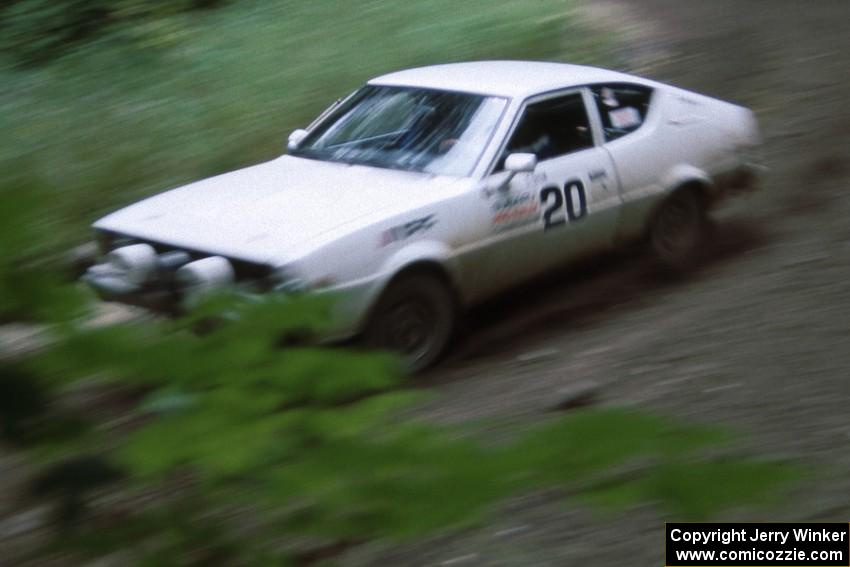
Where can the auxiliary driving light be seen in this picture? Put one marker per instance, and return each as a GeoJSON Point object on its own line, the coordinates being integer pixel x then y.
{"type": "Point", "coordinates": [136, 263]}
{"type": "Point", "coordinates": [204, 275]}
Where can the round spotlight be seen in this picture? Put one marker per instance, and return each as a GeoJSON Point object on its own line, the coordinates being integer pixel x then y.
{"type": "Point", "coordinates": [205, 274]}
{"type": "Point", "coordinates": [136, 263]}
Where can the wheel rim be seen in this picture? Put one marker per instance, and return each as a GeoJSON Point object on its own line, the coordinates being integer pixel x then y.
{"type": "Point", "coordinates": [675, 227]}
{"type": "Point", "coordinates": [410, 328]}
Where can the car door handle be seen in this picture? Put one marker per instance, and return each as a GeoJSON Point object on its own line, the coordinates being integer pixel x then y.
{"type": "Point", "coordinates": [597, 174]}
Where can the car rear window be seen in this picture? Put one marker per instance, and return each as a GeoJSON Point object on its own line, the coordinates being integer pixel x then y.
{"type": "Point", "coordinates": [622, 107]}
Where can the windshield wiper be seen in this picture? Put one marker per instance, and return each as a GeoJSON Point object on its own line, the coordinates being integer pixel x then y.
{"type": "Point", "coordinates": [351, 160]}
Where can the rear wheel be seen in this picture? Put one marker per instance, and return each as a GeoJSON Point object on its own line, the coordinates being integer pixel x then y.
{"type": "Point", "coordinates": [678, 231]}
{"type": "Point", "coordinates": [415, 318]}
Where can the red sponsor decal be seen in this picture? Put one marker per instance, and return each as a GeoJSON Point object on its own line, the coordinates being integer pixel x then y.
{"type": "Point", "coordinates": [517, 213]}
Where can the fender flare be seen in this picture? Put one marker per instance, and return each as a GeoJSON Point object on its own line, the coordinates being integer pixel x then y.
{"type": "Point", "coordinates": [685, 174]}
{"type": "Point", "coordinates": [677, 178]}
{"type": "Point", "coordinates": [428, 255]}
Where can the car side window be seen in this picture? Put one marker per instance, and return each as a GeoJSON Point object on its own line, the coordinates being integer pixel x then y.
{"type": "Point", "coordinates": [551, 128]}
{"type": "Point", "coordinates": [622, 108]}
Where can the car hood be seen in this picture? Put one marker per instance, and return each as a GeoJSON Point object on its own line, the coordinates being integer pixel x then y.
{"type": "Point", "coordinates": [264, 212]}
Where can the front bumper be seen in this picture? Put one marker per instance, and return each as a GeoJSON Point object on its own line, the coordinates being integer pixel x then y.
{"type": "Point", "coordinates": [162, 278]}
{"type": "Point", "coordinates": [163, 293]}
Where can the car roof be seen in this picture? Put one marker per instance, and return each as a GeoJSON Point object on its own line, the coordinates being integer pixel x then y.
{"type": "Point", "coordinates": [502, 78]}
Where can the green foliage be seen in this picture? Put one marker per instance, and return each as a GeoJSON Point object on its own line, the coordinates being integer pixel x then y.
{"type": "Point", "coordinates": [730, 483]}
{"type": "Point", "coordinates": [617, 435]}
{"type": "Point", "coordinates": [693, 489]}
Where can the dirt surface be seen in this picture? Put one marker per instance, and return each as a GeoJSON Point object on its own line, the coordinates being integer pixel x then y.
{"type": "Point", "coordinates": [758, 339]}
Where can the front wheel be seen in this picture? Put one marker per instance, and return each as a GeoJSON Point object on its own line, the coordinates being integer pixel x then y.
{"type": "Point", "coordinates": [415, 317]}
{"type": "Point", "coordinates": [678, 230]}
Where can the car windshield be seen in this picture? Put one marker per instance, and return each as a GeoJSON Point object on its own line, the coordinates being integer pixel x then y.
{"type": "Point", "coordinates": [413, 129]}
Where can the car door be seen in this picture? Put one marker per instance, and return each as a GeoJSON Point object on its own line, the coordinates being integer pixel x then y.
{"type": "Point", "coordinates": [577, 183]}
{"type": "Point", "coordinates": [566, 207]}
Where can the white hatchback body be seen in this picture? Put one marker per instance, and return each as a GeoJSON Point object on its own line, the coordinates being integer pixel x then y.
{"type": "Point", "coordinates": [350, 228]}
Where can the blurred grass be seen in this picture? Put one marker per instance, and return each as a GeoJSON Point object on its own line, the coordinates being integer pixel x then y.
{"type": "Point", "coordinates": [180, 98]}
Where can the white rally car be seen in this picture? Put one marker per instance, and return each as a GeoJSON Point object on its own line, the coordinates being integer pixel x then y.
{"type": "Point", "coordinates": [429, 189]}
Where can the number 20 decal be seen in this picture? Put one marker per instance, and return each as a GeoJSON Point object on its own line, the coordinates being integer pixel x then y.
{"type": "Point", "coordinates": [572, 195]}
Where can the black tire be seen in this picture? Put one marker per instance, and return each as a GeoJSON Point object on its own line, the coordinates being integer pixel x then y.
{"type": "Point", "coordinates": [678, 231]}
{"type": "Point", "coordinates": [415, 317]}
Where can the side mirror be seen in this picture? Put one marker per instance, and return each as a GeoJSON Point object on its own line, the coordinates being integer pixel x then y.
{"type": "Point", "coordinates": [514, 163]}
{"type": "Point", "coordinates": [295, 138]}
{"type": "Point", "coordinates": [518, 163]}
